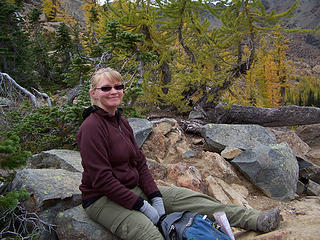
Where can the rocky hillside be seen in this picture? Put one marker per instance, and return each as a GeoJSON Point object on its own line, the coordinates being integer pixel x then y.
{"type": "Point", "coordinates": [303, 47]}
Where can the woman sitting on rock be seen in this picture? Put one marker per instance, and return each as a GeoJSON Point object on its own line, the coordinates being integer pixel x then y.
{"type": "Point", "coordinates": [118, 190]}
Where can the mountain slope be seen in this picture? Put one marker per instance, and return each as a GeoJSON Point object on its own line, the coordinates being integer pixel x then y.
{"type": "Point", "coordinates": [304, 47]}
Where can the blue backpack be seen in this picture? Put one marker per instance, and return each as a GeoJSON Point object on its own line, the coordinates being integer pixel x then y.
{"type": "Point", "coordinates": [187, 225]}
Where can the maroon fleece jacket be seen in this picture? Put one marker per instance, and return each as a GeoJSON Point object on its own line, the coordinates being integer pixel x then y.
{"type": "Point", "coordinates": [112, 162]}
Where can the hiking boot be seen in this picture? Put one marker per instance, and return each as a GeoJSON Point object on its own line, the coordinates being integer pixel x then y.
{"type": "Point", "coordinates": [268, 220]}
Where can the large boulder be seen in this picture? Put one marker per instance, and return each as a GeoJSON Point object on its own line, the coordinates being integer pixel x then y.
{"type": "Point", "coordinates": [274, 169]}
{"type": "Point", "coordinates": [219, 136]}
{"type": "Point", "coordinates": [299, 147]}
{"type": "Point", "coordinates": [57, 158]}
{"type": "Point", "coordinates": [51, 191]}
{"type": "Point", "coordinates": [47, 186]}
{"type": "Point", "coordinates": [225, 193]}
{"type": "Point", "coordinates": [309, 175]}
{"type": "Point", "coordinates": [308, 170]}
{"type": "Point", "coordinates": [218, 167]}
{"type": "Point", "coordinates": [182, 175]}
{"type": "Point", "coordinates": [141, 129]}
{"type": "Point", "coordinates": [313, 188]}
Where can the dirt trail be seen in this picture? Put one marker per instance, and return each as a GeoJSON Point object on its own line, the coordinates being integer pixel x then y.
{"type": "Point", "coordinates": [301, 219]}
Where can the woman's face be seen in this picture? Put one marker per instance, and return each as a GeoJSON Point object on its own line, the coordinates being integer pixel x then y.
{"type": "Point", "coordinates": [107, 100]}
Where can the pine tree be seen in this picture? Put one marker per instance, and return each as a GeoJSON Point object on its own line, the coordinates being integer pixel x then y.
{"type": "Point", "coordinates": [11, 154]}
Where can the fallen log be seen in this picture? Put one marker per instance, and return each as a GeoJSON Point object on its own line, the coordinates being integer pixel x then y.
{"type": "Point", "coordinates": [267, 117]}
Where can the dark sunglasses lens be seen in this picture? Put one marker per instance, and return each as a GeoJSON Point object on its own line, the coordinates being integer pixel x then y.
{"type": "Point", "coordinates": [119, 87]}
{"type": "Point", "coordinates": [106, 89]}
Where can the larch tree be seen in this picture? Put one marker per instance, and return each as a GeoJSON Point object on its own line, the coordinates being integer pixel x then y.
{"type": "Point", "coordinates": [53, 9]}
{"type": "Point", "coordinates": [268, 78]}
{"type": "Point", "coordinates": [143, 17]}
{"type": "Point", "coordinates": [196, 63]}
{"type": "Point", "coordinates": [243, 24]}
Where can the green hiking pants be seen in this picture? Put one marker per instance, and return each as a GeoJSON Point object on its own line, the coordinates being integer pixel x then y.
{"type": "Point", "coordinates": [131, 224]}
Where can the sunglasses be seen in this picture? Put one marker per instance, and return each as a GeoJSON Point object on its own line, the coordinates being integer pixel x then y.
{"type": "Point", "coordinates": [108, 88]}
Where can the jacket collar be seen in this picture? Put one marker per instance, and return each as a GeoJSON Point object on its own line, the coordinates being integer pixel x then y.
{"type": "Point", "coordinates": [94, 108]}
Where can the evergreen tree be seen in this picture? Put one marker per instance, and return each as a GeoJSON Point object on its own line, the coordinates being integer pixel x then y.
{"type": "Point", "coordinates": [42, 44]}
{"type": "Point", "coordinates": [15, 58]}
{"type": "Point", "coordinates": [64, 52]}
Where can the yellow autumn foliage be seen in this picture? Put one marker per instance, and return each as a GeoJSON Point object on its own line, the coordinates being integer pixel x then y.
{"type": "Point", "coordinates": [266, 82]}
{"type": "Point", "coordinates": [53, 11]}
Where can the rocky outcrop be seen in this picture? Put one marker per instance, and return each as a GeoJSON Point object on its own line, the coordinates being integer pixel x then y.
{"type": "Point", "coordinates": [53, 177]}
{"type": "Point", "coordinates": [299, 147]}
{"type": "Point", "coordinates": [303, 46]}
{"type": "Point", "coordinates": [310, 134]}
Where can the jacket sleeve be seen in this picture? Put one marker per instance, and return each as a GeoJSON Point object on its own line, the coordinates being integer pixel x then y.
{"type": "Point", "coordinates": [146, 181]}
{"type": "Point", "coordinates": [94, 154]}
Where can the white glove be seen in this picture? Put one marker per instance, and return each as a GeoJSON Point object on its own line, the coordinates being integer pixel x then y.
{"type": "Point", "coordinates": [150, 212]}
{"type": "Point", "coordinates": [157, 203]}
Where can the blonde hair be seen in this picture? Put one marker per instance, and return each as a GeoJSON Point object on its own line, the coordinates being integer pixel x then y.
{"type": "Point", "coordinates": [112, 75]}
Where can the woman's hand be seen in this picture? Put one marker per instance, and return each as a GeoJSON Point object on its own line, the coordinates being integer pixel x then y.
{"type": "Point", "coordinates": [157, 203]}
{"type": "Point", "coordinates": [150, 212]}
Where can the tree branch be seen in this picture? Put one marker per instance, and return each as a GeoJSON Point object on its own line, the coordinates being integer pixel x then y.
{"type": "Point", "coordinates": [43, 95]}
{"type": "Point", "coordinates": [22, 89]}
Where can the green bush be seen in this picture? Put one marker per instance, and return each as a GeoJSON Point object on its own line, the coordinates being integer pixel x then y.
{"type": "Point", "coordinates": [44, 128]}
{"type": "Point", "coordinates": [11, 153]}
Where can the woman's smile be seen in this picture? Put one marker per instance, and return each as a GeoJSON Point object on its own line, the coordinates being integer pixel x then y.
{"type": "Point", "coordinates": [108, 95]}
